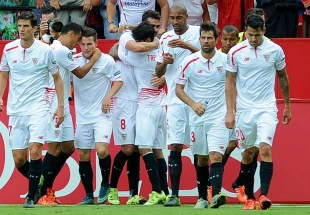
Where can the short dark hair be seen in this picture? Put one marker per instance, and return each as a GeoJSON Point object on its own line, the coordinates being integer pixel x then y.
{"type": "Point", "coordinates": [230, 28]}
{"type": "Point", "coordinates": [255, 10]}
{"type": "Point", "coordinates": [72, 26]}
{"type": "Point", "coordinates": [48, 10]}
{"type": "Point", "coordinates": [255, 21]}
{"type": "Point", "coordinates": [143, 31]}
{"type": "Point", "coordinates": [90, 32]}
{"type": "Point", "coordinates": [28, 15]}
{"type": "Point", "coordinates": [208, 26]}
{"type": "Point", "coordinates": [150, 14]}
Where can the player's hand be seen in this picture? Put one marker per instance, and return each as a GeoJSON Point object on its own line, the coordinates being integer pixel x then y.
{"type": "Point", "coordinates": [155, 81]}
{"type": "Point", "coordinates": [177, 43]}
{"type": "Point", "coordinates": [230, 120]}
{"type": "Point", "coordinates": [1, 105]}
{"type": "Point", "coordinates": [168, 58]}
{"type": "Point", "coordinates": [106, 104]}
{"type": "Point", "coordinates": [59, 116]}
{"type": "Point", "coordinates": [123, 28]}
{"type": "Point", "coordinates": [112, 28]}
{"type": "Point", "coordinates": [87, 6]}
{"type": "Point", "coordinates": [40, 3]}
{"type": "Point", "coordinates": [198, 108]}
{"type": "Point", "coordinates": [161, 31]}
{"type": "Point", "coordinates": [287, 115]}
{"type": "Point", "coordinates": [55, 4]}
{"type": "Point", "coordinates": [43, 27]}
{"type": "Point", "coordinates": [156, 41]}
{"type": "Point", "coordinates": [97, 54]}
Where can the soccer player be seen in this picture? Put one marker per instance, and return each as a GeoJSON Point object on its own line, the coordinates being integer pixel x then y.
{"type": "Point", "coordinates": [251, 70]}
{"type": "Point", "coordinates": [60, 139]}
{"type": "Point", "coordinates": [204, 75]}
{"type": "Point", "coordinates": [150, 116]}
{"type": "Point", "coordinates": [27, 62]}
{"type": "Point", "coordinates": [229, 38]}
{"type": "Point", "coordinates": [175, 45]}
{"type": "Point", "coordinates": [124, 116]}
{"type": "Point", "coordinates": [93, 107]}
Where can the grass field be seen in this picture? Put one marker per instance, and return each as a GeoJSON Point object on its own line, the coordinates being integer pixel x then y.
{"type": "Point", "coordinates": [150, 210]}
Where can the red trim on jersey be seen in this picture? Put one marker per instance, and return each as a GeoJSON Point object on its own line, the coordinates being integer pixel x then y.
{"type": "Point", "coordinates": [232, 55]}
{"type": "Point", "coordinates": [185, 67]}
{"type": "Point", "coordinates": [122, 6]}
{"type": "Point", "coordinates": [170, 35]}
{"type": "Point", "coordinates": [77, 56]}
{"type": "Point", "coordinates": [209, 65]}
{"type": "Point", "coordinates": [11, 48]}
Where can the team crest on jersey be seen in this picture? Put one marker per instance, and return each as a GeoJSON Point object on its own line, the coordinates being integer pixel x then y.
{"type": "Point", "coordinates": [70, 56]}
{"type": "Point", "coordinates": [35, 60]}
{"type": "Point", "coordinates": [95, 70]}
{"type": "Point", "coordinates": [57, 132]}
{"type": "Point", "coordinates": [124, 136]}
{"type": "Point", "coordinates": [267, 56]}
{"type": "Point", "coordinates": [220, 69]}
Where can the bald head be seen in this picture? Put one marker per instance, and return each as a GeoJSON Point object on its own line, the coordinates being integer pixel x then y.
{"type": "Point", "coordinates": [179, 7]}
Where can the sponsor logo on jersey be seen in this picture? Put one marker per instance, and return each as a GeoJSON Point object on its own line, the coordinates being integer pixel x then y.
{"type": "Point", "coordinates": [199, 71]}
{"type": "Point", "coordinates": [35, 60]}
{"type": "Point", "coordinates": [117, 73]}
{"type": "Point", "coordinates": [57, 132]}
{"type": "Point", "coordinates": [246, 59]}
{"type": "Point", "coordinates": [95, 70]}
{"type": "Point", "coordinates": [124, 136]}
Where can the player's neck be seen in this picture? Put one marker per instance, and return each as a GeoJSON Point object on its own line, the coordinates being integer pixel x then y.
{"type": "Point", "coordinates": [183, 31]}
{"type": "Point", "coordinates": [208, 55]}
{"type": "Point", "coordinates": [27, 43]}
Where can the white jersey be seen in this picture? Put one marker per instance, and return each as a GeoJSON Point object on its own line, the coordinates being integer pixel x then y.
{"type": "Point", "coordinates": [144, 69]}
{"type": "Point", "coordinates": [129, 89]}
{"type": "Point", "coordinates": [205, 80]}
{"type": "Point", "coordinates": [91, 90]}
{"type": "Point", "coordinates": [29, 75]}
{"type": "Point", "coordinates": [131, 11]}
{"type": "Point", "coordinates": [66, 64]}
{"type": "Point", "coordinates": [194, 10]}
{"type": "Point", "coordinates": [192, 36]}
{"type": "Point", "coordinates": [256, 69]}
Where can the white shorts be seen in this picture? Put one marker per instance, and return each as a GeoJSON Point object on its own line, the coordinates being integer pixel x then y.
{"type": "Point", "coordinates": [209, 138]}
{"type": "Point", "coordinates": [232, 135]}
{"type": "Point", "coordinates": [65, 132]}
{"type": "Point", "coordinates": [27, 129]}
{"type": "Point", "coordinates": [254, 127]}
{"type": "Point", "coordinates": [124, 121]}
{"type": "Point", "coordinates": [87, 135]}
{"type": "Point", "coordinates": [151, 127]}
{"type": "Point", "coordinates": [177, 124]}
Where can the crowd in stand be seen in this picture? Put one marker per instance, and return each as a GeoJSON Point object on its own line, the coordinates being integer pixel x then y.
{"type": "Point", "coordinates": [283, 17]}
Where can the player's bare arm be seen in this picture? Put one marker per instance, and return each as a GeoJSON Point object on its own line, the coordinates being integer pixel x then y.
{"type": "Point", "coordinates": [107, 100]}
{"type": "Point", "coordinates": [231, 93]}
{"type": "Point", "coordinates": [211, 2]}
{"type": "Point", "coordinates": [80, 72]}
{"type": "Point", "coordinates": [285, 87]}
{"type": "Point", "coordinates": [164, 15]}
{"type": "Point", "coordinates": [59, 87]}
{"type": "Point", "coordinates": [178, 43]}
{"type": "Point", "coordinates": [155, 81]}
{"type": "Point", "coordinates": [111, 9]}
{"type": "Point", "coordinates": [3, 81]}
{"type": "Point", "coordinates": [142, 46]}
{"type": "Point", "coordinates": [114, 51]}
{"type": "Point", "coordinates": [199, 108]}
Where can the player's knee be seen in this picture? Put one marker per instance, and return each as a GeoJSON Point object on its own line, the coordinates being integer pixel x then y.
{"type": "Point", "coordinates": [215, 157]}
{"type": "Point", "coordinates": [102, 152]}
{"type": "Point", "coordinates": [158, 153]}
{"type": "Point", "coordinates": [68, 147]}
{"type": "Point", "coordinates": [19, 158]}
{"type": "Point", "coordinates": [265, 151]}
{"type": "Point", "coordinates": [202, 160]}
{"type": "Point", "coordinates": [84, 154]}
{"type": "Point", "coordinates": [35, 151]}
{"type": "Point", "coordinates": [247, 155]}
{"type": "Point", "coordinates": [54, 149]}
{"type": "Point", "coordinates": [144, 149]}
{"type": "Point", "coordinates": [176, 147]}
{"type": "Point", "coordinates": [128, 149]}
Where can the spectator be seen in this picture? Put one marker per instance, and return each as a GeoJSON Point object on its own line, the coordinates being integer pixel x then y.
{"type": "Point", "coordinates": [213, 12]}
{"type": "Point", "coordinates": [103, 12]}
{"type": "Point", "coordinates": [197, 11]}
{"type": "Point", "coordinates": [46, 13]}
{"type": "Point", "coordinates": [131, 13]}
{"type": "Point", "coordinates": [74, 15]}
{"type": "Point", "coordinates": [231, 12]}
{"type": "Point", "coordinates": [305, 18]}
{"type": "Point", "coordinates": [282, 18]}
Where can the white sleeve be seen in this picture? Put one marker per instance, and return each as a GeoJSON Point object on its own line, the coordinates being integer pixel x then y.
{"type": "Point", "coordinates": [4, 66]}
{"type": "Point", "coordinates": [160, 53]}
{"type": "Point", "coordinates": [64, 59]}
{"type": "Point", "coordinates": [280, 61]}
{"type": "Point", "coordinates": [183, 74]}
{"type": "Point", "coordinates": [231, 64]}
{"type": "Point", "coordinates": [52, 65]}
{"type": "Point", "coordinates": [112, 71]}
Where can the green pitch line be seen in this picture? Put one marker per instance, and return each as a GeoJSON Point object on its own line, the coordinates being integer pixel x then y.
{"type": "Point", "coordinates": [150, 210]}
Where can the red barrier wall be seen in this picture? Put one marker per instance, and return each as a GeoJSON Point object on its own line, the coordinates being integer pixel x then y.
{"type": "Point", "coordinates": [290, 153]}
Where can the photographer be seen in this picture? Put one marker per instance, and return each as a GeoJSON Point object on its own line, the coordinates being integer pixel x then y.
{"type": "Point", "coordinates": [50, 27]}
